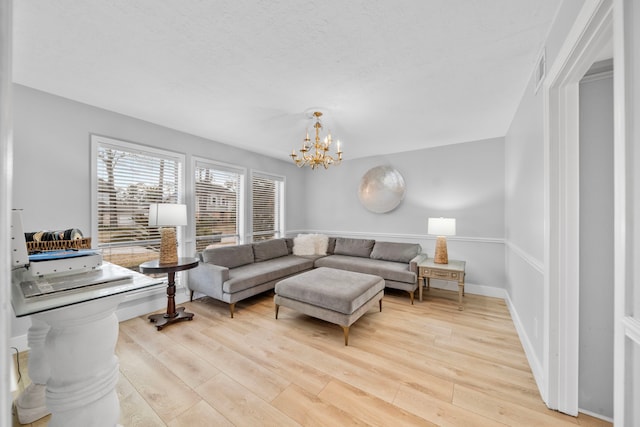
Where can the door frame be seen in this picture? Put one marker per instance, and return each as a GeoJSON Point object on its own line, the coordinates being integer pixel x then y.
{"type": "Point", "coordinates": [592, 31]}
{"type": "Point", "coordinates": [627, 201]}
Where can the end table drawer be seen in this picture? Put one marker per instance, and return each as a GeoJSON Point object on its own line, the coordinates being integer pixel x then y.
{"type": "Point", "coordinates": [440, 274]}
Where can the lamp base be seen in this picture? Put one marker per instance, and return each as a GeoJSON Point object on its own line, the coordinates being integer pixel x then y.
{"type": "Point", "coordinates": [168, 246]}
{"type": "Point", "coordinates": [441, 256]}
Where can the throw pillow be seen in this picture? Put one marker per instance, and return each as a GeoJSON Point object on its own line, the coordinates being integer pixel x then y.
{"type": "Point", "coordinates": [269, 249]}
{"type": "Point", "coordinates": [353, 247]}
{"type": "Point", "coordinates": [304, 244]}
{"type": "Point", "coordinates": [321, 242]}
{"type": "Point", "coordinates": [398, 252]}
{"type": "Point", "coordinates": [229, 256]}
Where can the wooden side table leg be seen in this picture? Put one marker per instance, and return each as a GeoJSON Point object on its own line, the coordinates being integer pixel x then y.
{"type": "Point", "coordinates": [420, 285]}
{"type": "Point", "coordinates": [171, 294]}
{"type": "Point", "coordinates": [460, 292]}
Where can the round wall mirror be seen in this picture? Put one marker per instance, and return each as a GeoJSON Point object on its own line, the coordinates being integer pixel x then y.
{"type": "Point", "coordinates": [381, 189]}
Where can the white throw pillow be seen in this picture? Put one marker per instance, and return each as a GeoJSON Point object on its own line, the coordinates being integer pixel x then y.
{"type": "Point", "coordinates": [321, 243]}
{"type": "Point", "coordinates": [304, 244]}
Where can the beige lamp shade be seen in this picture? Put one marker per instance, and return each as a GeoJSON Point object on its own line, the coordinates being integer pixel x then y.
{"type": "Point", "coordinates": [441, 227]}
{"type": "Point", "coordinates": [167, 216]}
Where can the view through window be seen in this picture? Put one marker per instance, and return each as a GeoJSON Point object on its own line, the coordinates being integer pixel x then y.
{"type": "Point", "coordinates": [267, 192]}
{"type": "Point", "coordinates": [218, 190]}
{"type": "Point", "coordinates": [128, 178]}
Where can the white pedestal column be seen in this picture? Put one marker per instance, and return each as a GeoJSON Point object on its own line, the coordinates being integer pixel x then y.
{"type": "Point", "coordinates": [30, 405]}
{"type": "Point", "coordinates": [78, 353]}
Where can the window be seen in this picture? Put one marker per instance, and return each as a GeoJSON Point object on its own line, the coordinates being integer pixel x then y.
{"type": "Point", "coordinates": [268, 206]}
{"type": "Point", "coordinates": [126, 178]}
{"type": "Point", "coordinates": [218, 208]}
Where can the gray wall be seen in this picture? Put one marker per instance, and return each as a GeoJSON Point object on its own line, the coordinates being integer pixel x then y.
{"type": "Point", "coordinates": [52, 165]}
{"type": "Point", "coordinates": [464, 181]}
{"type": "Point", "coordinates": [596, 245]}
{"type": "Point", "coordinates": [524, 202]}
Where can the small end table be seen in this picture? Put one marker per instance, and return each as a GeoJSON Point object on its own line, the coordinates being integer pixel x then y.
{"type": "Point", "coordinates": [173, 314]}
{"type": "Point", "coordinates": [453, 272]}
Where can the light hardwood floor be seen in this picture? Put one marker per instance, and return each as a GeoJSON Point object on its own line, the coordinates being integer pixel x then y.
{"type": "Point", "coordinates": [426, 364]}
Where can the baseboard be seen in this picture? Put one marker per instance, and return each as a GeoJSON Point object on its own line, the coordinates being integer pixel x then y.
{"type": "Point", "coordinates": [534, 362]}
{"type": "Point", "coordinates": [594, 415]}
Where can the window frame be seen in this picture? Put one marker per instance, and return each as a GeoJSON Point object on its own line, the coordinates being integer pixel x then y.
{"type": "Point", "coordinates": [280, 231]}
{"type": "Point", "coordinates": [196, 161]}
{"type": "Point", "coordinates": [98, 141]}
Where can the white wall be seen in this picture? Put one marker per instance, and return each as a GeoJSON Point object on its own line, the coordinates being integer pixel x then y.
{"type": "Point", "coordinates": [464, 181]}
{"type": "Point", "coordinates": [596, 245]}
{"type": "Point", "coordinates": [524, 203]}
{"type": "Point", "coordinates": [51, 170]}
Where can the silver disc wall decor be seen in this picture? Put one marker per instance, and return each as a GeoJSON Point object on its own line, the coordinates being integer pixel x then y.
{"type": "Point", "coordinates": [381, 189]}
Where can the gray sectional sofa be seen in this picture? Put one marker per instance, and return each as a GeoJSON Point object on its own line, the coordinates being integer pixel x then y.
{"type": "Point", "coordinates": [234, 273]}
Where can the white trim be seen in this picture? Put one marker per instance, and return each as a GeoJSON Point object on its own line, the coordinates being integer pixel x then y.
{"type": "Point", "coordinates": [540, 71]}
{"type": "Point", "coordinates": [587, 38]}
{"type": "Point", "coordinates": [6, 188]}
{"type": "Point", "coordinates": [597, 76]}
{"type": "Point", "coordinates": [283, 200]}
{"type": "Point", "coordinates": [529, 259]}
{"type": "Point", "coordinates": [397, 236]}
{"type": "Point", "coordinates": [594, 415]}
{"type": "Point", "coordinates": [529, 349]}
{"type": "Point", "coordinates": [631, 326]}
{"type": "Point", "coordinates": [241, 209]}
{"type": "Point", "coordinates": [626, 100]}
{"type": "Point", "coordinates": [133, 147]}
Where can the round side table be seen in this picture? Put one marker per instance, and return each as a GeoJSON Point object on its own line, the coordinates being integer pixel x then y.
{"type": "Point", "coordinates": [173, 314]}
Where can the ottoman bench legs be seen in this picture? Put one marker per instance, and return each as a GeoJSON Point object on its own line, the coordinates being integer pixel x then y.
{"type": "Point", "coordinates": [318, 312]}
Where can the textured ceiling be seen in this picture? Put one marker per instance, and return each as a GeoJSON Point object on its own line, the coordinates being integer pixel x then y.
{"type": "Point", "coordinates": [390, 76]}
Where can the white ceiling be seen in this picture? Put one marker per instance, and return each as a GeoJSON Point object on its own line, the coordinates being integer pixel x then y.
{"type": "Point", "coordinates": [390, 75]}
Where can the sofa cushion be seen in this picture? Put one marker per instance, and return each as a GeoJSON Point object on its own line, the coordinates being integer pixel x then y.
{"type": "Point", "coordinates": [354, 247]}
{"type": "Point", "coordinates": [268, 249]}
{"type": "Point", "coordinates": [250, 275]}
{"type": "Point", "coordinates": [229, 256]}
{"type": "Point", "coordinates": [388, 270]}
{"type": "Point", "coordinates": [399, 252]}
{"type": "Point", "coordinates": [337, 290]}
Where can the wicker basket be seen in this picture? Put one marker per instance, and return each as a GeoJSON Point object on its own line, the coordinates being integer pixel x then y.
{"type": "Point", "coordinates": [57, 245]}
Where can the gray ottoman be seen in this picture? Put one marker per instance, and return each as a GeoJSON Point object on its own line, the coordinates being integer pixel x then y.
{"type": "Point", "coordinates": [336, 296]}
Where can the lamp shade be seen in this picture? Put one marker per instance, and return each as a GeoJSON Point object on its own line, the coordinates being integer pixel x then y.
{"type": "Point", "coordinates": [167, 214]}
{"type": "Point", "coordinates": [442, 226]}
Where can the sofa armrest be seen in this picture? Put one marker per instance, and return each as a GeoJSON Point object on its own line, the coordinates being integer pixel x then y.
{"type": "Point", "coordinates": [413, 264]}
{"type": "Point", "coordinates": [208, 279]}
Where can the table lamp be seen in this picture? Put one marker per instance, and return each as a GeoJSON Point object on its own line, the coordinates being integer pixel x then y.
{"type": "Point", "coordinates": [441, 227]}
{"type": "Point", "coordinates": [167, 216]}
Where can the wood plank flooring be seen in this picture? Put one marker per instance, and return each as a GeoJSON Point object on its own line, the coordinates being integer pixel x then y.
{"type": "Point", "coordinates": [409, 365]}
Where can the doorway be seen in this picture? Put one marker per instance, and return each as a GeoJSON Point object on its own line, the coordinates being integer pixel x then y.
{"type": "Point", "coordinates": [596, 299]}
{"type": "Point", "coordinates": [590, 36]}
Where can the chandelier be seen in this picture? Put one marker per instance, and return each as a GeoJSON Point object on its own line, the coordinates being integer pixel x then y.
{"type": "Point", "coordinates": [317, 154]}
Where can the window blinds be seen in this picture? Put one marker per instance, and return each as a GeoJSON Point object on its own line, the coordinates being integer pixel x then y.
{"type": "Point", "coordinates": [217, 204]}
{"type": "Point", "coordinates": [128, 180]}
{"type": "Point", "coordinates": [267, 206]}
